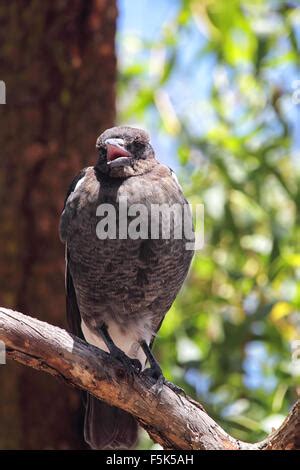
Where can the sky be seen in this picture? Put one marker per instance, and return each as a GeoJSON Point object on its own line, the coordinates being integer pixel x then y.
{"type": "Point", "coordinates": [142, 18]}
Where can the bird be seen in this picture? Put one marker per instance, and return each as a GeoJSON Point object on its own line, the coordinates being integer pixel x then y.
{"type": "Point", "coordinates": [119, 288]}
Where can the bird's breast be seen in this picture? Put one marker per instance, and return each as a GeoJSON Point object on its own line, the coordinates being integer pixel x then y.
{"type": "Point", "coordinates": [122, 278]}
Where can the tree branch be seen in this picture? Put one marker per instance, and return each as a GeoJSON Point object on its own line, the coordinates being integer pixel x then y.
{"type": "Point", "coordinates": [174, 421]}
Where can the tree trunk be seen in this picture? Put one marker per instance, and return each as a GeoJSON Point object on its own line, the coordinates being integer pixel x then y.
{"type": "Point", "coordinates": [58, 62]}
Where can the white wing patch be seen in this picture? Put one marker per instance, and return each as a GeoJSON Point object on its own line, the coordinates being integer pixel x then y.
{"type": "Point", "coordinates": [175, 178]}
{"type": "Point", "coordinates": [79, 183]}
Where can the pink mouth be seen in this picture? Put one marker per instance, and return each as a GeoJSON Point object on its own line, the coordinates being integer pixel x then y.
{"type": "Point", "coordinates": [114, 152]}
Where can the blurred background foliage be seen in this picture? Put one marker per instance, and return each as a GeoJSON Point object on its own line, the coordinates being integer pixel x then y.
{"type": "Point", "coordinates": [216, 84]}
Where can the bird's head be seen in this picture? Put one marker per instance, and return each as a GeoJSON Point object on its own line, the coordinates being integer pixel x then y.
{"type": "Point", "coordinates": [124, 151]}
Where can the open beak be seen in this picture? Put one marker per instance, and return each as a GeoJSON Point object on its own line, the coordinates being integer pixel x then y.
{"type": "Point", "coordinates": [116, 149]}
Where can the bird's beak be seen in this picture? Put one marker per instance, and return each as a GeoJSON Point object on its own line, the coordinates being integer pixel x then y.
{"type": "Point", "coordinates": [116, 149]}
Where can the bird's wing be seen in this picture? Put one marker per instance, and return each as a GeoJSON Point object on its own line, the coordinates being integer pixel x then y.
{"type": "Point", "coordinates": [163, 302]}
{"type": "Point", "coordinates": [154, 249]}
{"type": "Point", "coordinates": [73, 313]}
{"type": "Point", "coordinates": [67, 212]}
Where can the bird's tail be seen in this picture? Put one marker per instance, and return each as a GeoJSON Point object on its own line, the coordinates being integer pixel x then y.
{"type": "Point", "coordinates": [108, 427]}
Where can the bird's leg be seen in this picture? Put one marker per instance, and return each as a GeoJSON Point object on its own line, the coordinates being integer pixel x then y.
{"type": "Point", "coordinates": [156, 373]}
{"type": "Point", "coordinates": [155, 369]}
{"type": "Point", "coordinates": [131, 365]}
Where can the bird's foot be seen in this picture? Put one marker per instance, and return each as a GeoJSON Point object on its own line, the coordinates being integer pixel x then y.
{"type": "Point", "coordinates": [132, 366]}
{"type": "Point", "coordinates": [178, 390]}
{"type": "Point", "coordinates": [155, 373]}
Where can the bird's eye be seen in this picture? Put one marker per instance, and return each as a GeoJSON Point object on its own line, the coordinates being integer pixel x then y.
{"type": "Point", "coordinates": [138, 146]}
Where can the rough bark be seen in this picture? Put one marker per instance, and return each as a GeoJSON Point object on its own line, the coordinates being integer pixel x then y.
{"type": "Point", "coordinates": [58, 62]}
{"type": "Point", "coordinates": [172, 420]}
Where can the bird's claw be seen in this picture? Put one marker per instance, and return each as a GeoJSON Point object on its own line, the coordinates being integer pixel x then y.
{"type": "Point", "coordinates": [132, 366]}
{"type": "Point", "coordinates": [175, 388]}
{"type": "Point", "coordinates": [137, 366]}
{"type": "Point", "coordinates": [178, 390]}
{"type": "Point", "coordinates": [155, 373]}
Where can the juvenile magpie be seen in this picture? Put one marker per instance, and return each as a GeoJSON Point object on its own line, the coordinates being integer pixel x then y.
{"type": "Point", "coordinates": [119, 288]}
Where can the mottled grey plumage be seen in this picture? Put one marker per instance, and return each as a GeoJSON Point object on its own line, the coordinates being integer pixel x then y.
{"type": "Point", "coordinates": [127, 284]}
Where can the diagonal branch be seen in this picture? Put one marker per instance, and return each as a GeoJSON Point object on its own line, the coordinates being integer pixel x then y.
{"type": "Point", "coordinates": [174, 421]}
